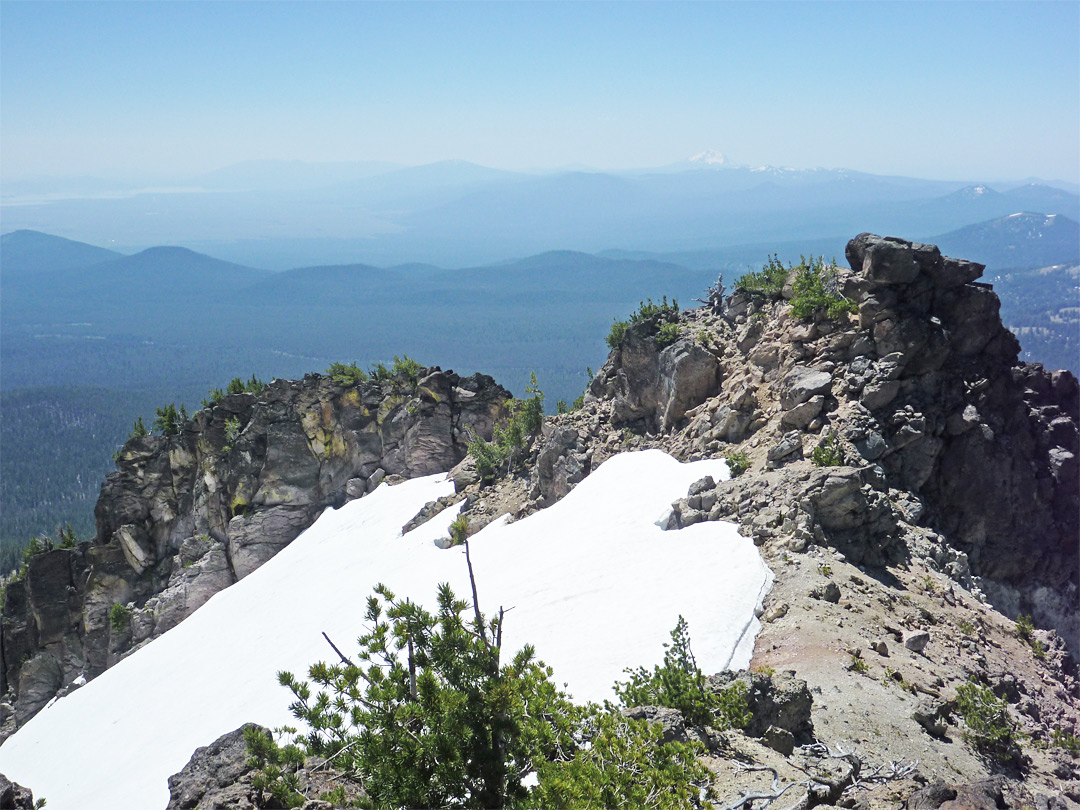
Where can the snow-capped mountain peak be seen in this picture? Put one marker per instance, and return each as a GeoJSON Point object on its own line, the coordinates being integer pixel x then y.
{"type": "Point", "coordinates": [710, 157]}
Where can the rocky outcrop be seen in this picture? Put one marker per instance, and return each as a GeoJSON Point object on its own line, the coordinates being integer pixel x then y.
{"type": "Point", "coordinates": [186, 515]}
{"type": "Point", "coordinates": [217, 776]}
{"type": "Point", "coordinates": [655, 386]}
{"type": "Point", "coordinates": [220, 776]}
{"type": "Point", "coordinates": [779, 701]}
{"type": "Point", "coordinates": [948, 446]}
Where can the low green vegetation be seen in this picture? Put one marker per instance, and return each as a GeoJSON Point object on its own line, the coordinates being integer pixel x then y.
{"type": "Point", "coordinates": [1066, 741]}
{"type": "Point", "coordinates": [119, 617]}
{"type": "Point", "coordinates": [251, 386]}
{"type": "Point", "coordinates": [766, 283]}
{"type": "Point", "coordinates": [459, 530]}
{"type": "Point", "coordinates": [814, 289]}
{"type": "Point", "coordinates": [232, 433]}
{"type": "Point", "coordinates": [663, 319]}
{"type": "Point", "coordinates": [348, 375]}
{"type": "Point", "coordinates": [815, 292]}
{"type": "Point", "coordinates": [829, 453]}
{"type": "Point", "coordinates": [170, 421]}
{"type": "Point", "coordinates": [857, 664]}
{"type": "Point", "coordinates": [430, 715]}
{"type": "Point", "coordinates": [1024, 627]}
{"type": "Point", "coordinates": [403, 367]}
{"type": "Point", "coordinates": [615, 336]}
{"type": "Point", "coordinates": [504, 450]}
{"type": "Point", "coordinates": [1025, 631]}
{"type": "Point", "coordinates": [624, 765]}
{"type": "Point", "coordinates": [668, 334]}
{"type": "Point", "coordinates": [990, 730]}
{"type": "Point", "coordinates": [738, 462]}
{"type": "Point", "coordinates": [237, 385]}
{"type": "Point", "coordinates": [275, 781]}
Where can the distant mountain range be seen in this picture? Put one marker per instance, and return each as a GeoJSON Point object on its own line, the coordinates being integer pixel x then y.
{"type": "Point", "coordinates": [280, 214]}
{"type": "Point", "coordinates": [1018, 240]}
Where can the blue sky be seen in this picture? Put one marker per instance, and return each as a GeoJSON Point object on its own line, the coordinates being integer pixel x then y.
{"type": "Point", "coordinates": [965, 90]}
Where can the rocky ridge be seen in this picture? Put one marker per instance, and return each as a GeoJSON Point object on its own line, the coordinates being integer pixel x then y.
{"type": "Point", "coordinates": [913, 487]}
{"type": "Point", "coordinates": [942, 506]}
{"type": "Point", "coordinates": [186, 515]}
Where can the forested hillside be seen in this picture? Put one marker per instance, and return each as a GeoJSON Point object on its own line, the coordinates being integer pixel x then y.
{"type": "Point", "coordinates": [57, 447]}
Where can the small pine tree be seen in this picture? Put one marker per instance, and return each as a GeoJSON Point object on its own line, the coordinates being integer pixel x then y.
{"type": "Point", "coordinates": [430, 716]}
{"type": "Point", "coordinates": [169, 421]}
{"type": "Point", "coordinates": [680, 684]}
{"type": "Point", "coordinates": [138, 430]}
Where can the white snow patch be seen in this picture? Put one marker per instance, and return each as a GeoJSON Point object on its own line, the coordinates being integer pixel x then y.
{"type": "Point", "coordinates": [595, 585]}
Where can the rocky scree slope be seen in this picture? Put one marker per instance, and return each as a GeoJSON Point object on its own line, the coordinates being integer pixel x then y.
{"type": "Point", "coordinates": [913, 487]}
{"type": "Point", "coordinates": [186, 515]}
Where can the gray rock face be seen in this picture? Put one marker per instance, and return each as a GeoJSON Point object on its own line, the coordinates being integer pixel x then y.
{"type": "Point", "coordinates": [653, 386]}
{"type": "Point", "coordinates": [217, 776]}
{"type": "Point", "coordinates": [39, 680]}
{"type": "Point", "coordinates": [689, 375]}
{"type": "Point", "coordinates": [561, 463]}
{"type": "Point", "coordinates": [982, 795]}
{"type": "Point", "coordinates": [14, 796]}
{"type": "Point", "coordinates": [184, 516]}
{"type": "Point", "coordinates": [255, 538]}
{"type": "Point", "coordinates": [633, 381]}
{"type": "Point", "coordinates": [671, 722]}
{"type": "Point", "coordinates": [887, 260]}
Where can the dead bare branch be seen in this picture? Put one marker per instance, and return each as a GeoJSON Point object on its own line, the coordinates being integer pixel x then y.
{"type": "Point", "coordinates": [341, 655]}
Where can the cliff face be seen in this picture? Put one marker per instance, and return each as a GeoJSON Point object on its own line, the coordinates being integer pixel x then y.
{"type": "Point", "coordinates": [186, 515]}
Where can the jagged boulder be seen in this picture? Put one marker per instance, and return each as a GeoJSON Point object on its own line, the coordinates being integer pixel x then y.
{"type": "Point", "coordinates": [985, 794]}
{"type": "Point", "coordinates": [219, 776]}
{"type": "Point", "coordinates": [774, 701]}
{"type": "Point", "coordinates": [689, 375]}
{"type": "Point", "coordinates": [216, 777]}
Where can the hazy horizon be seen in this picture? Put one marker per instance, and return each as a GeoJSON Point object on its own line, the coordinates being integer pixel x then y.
{"type": "Point", "coordinates": [162, 92]}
